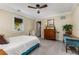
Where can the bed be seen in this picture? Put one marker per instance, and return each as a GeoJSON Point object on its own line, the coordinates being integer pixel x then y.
{"type": "Point", "coordinates": [20, 45]}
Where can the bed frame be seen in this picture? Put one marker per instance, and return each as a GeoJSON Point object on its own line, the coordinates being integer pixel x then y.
{"type": "Point", "coordinates": [31, 49]}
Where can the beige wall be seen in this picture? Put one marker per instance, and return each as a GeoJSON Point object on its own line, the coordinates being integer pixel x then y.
{"type": "Point", "coordinates": [75, 19]}
{"type": "Point", "coordinates": [6, 24]}
{"type": "Point", "coordinates": [72, 18]}
{"type": "Point", "coordinates": [58, 24]}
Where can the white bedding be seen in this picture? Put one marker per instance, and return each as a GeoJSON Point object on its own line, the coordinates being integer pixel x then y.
{"type": "Point", "coordinates": [18, 45]}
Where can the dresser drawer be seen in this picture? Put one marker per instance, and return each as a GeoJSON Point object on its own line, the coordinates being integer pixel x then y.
{"type": "Point", "coordinates": [49, 33]}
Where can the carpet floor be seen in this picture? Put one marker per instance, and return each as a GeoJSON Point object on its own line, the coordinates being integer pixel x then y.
{"type": "Point", "coordinates": [49, 47]}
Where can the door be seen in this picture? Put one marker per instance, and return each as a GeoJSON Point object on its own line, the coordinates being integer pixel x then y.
{"type": "Point", "coordinates": [38, 28]}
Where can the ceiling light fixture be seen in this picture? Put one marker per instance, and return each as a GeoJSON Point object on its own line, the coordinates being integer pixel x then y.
{"type": "Point", "coordinates": [38, 7]}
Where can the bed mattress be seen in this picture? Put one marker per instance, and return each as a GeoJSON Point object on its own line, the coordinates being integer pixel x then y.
{"type": "Point", "coordinates": [18, 45]}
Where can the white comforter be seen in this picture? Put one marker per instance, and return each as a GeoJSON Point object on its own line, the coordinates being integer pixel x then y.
{"type": "Point", "coordinates": [18, 45]}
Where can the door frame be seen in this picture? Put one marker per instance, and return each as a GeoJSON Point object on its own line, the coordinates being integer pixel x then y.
{"type": "Point", "coordinates": [40, 27]}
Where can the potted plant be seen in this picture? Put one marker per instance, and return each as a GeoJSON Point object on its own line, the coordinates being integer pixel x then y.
{"type": "Point", "coordinates": [68, 29]}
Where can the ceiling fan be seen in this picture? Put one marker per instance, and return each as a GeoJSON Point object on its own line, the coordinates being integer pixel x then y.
{"type": "Point", "coordinates": [38, 7]}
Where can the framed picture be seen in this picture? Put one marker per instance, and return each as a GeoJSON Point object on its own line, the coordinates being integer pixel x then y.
{"type": "Point", "coordinates": [50, 22]}
{"type": "Point", "coordinates": [18, 24]}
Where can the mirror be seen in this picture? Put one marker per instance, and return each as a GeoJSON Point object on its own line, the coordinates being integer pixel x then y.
{"type": "Point", "coordinates": [50, 22]}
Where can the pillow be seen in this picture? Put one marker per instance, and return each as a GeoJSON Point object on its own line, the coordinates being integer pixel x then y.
{"type": "Point", "coordinates": [3, 40]}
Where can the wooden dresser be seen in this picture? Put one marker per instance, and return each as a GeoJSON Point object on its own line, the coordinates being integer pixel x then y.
{"type": "Point", "coordinates": [50, 34]}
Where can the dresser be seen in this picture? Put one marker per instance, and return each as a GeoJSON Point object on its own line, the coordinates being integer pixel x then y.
{"type": "Point", "coordinates": [50, 34]}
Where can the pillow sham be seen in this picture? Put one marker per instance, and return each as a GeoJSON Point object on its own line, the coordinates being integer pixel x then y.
{"type": "Point", "coordinates": [3, 40]}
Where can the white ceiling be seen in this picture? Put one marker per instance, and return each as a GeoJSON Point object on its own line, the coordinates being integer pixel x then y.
{"type": "Point", "coordinates": [52, 9]}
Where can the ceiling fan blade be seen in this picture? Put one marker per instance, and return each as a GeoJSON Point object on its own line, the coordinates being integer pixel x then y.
{"type": "Point", "coordinates": [44, 6]}
{"type": "Point", "coordinates": [32, 7]}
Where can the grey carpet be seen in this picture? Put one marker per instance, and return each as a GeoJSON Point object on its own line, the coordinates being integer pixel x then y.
{"type": "Point", "coordinates": [49, 47]}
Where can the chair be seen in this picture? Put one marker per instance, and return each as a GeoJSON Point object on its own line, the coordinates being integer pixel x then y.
{"type": "Point", "coordinates": [71, 42]}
